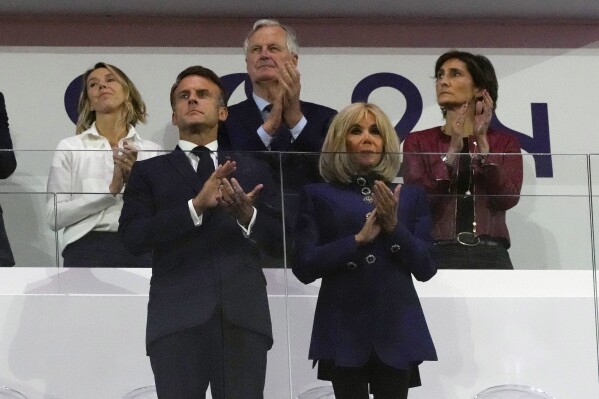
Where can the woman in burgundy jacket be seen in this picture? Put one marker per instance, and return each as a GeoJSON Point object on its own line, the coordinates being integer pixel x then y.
{"type": "Point", "coordinates": [472, 173]}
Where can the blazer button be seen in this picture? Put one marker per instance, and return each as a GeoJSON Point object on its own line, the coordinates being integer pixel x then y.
{"type": "Point", "coordinates": [370, 259]}
{"type": "Point", "coordinates": [352, 265]}
{"type": "Point", "coordinates": [395, 248]}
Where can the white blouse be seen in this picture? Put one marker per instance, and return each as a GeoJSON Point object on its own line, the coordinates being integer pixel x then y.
{"type": "Point", "coordinates": [79, 200]}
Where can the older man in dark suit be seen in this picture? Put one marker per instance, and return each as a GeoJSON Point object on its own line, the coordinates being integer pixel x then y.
{"type": "Point", "coordinates": [274, 118]}
{"type": "Point", "coordinates": [208, 316]}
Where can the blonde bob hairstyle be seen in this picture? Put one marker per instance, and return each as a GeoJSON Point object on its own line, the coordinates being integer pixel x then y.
{"type": "Point", "coordinates": [337, 166]}
{"type": "Point", "coordinates": [133, 110]}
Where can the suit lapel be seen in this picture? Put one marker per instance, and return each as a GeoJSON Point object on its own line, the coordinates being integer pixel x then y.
{"type": "Point", "coordinates": [252, 120]}
{"type": "Point", "coordinates": [252, 116]}
{"type": "Point", "coordinates": [181, 163]}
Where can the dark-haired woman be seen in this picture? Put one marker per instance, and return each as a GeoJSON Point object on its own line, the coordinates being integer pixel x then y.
{"type": "Point", "coordinates": [472, 173]}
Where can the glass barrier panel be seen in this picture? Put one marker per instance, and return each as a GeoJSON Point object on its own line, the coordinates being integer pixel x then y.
{"type": "Point", "coordinates": [489, 323]}
{"type": "Point", "coordinates": [23, 199]}
{"type": "Point", "coordinates": [594, 184]}
{"type": "Point", "coordinates": [550, 225]}
{"type": "Point", "coordinates": [25, 240]}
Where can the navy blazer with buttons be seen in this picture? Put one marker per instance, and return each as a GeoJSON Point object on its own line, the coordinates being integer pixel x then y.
{"type": "Point", "coordinates": [196, 269]}
{"type": "Point", "coordinates": [367, 300]}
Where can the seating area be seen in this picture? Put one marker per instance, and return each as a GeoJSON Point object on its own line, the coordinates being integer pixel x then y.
{"type": "Point", "coordinates": [513, 392]}
{"type": "Point", "coordinates": [148, 392]}
{"type": "Point", "coordinates": [8, 393]}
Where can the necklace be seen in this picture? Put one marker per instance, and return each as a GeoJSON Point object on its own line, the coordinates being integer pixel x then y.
{"type": "Point", "coordinates": [465, 206]}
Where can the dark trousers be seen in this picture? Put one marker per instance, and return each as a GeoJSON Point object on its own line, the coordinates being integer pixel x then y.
{"type": "Point", "coordinates": [231, 359]}
{"type": "Point", "coordinates": [482, 256]}
{"type": "Point", "coordinates": [102, 249]}
{"type": "Point", "coordinates": [385, 382]}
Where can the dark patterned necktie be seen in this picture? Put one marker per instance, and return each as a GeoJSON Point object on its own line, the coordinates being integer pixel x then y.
{"type": "Point", "coordinates": [206, 164]}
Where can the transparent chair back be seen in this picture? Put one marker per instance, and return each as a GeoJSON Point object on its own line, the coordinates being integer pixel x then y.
{"type": "Point", "coordinates": [319, 393]}
{"type": "Point", "coordinates": [8, 393]}
{"type": "Point", "coordinates": [511, 391]}
{"type": "Point", "coordinates": [142, 393]}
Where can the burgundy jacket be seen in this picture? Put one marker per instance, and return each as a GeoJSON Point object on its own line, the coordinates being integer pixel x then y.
{"type": "Point", "coordinates": [496, 181]}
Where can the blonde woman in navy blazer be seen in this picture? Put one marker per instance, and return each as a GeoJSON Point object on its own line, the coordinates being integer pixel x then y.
{"type": "Point", "coordinates": [365, 238]}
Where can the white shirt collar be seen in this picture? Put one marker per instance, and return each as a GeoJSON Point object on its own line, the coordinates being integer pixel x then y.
{"type": "Point", "coordinates": [132, 135]}
{"type": "Point", "coordinates": [187, 146]}
{"type": "Point", "coordinates": [93, 131]}
{"type": "Point", "coordinates": [260, 102]}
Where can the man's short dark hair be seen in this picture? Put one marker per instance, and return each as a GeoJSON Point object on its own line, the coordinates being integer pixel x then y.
{"type": "Point", "coordinates": [205, 73]}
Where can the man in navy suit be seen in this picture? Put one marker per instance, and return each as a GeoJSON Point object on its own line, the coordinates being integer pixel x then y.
{"type": "Point", "coordinates": [274, 118]}
{"type": "Point", "coordinates": [207, 226]}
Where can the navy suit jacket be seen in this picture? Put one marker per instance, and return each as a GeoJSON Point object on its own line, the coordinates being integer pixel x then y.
{"type": "Point", "coordinates": [245, 118]}
{"type": "Point", "coordinates": [293, 168]}
{"type": "Point", "coordinates": [196, 269]}
{"type": "Point", "coordinates": [367, 300]}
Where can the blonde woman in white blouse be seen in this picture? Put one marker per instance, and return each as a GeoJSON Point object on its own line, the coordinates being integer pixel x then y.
{"type": "Point", "coordinates": [90, 170]}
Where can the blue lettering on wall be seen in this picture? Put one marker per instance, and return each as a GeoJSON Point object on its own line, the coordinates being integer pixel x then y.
{"type": "Point", "coordinates": [538, 145]}
{"type": "Point", "coordinates": [233, 80]}
{"type": "Point", "coordinates": [71, 98]}
{"type": "Point", "coordinates": [540, 142]}
{"type": "Point", "coordinates": [413, 98]}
